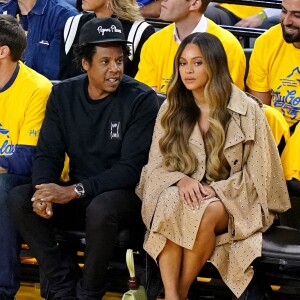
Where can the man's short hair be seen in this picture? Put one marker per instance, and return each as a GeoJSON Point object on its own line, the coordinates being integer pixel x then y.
{"type": "Point", "coordinates": [13, 36]}
{"type": "Point", "coordinates": [204, 4]}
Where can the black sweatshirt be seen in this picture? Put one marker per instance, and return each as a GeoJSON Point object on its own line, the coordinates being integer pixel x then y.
{"type": "Point", "coordinates": [107, 140]}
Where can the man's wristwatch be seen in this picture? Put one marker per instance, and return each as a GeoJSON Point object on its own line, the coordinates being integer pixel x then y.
{"type": "Point", "coordinates": [79, 190]}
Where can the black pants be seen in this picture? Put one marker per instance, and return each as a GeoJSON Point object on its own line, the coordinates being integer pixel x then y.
{"type": "Point", "coordinates": [102, 217]}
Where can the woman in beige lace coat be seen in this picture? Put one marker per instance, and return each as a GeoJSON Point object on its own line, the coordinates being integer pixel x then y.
{"type": "Point", "coordinates": [214, 181]}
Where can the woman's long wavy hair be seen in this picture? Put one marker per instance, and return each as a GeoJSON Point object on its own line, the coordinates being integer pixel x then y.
{"type": "Point", "coordinates": [182, 113]}
{"type": "Point", "coordinates": [125, 10]}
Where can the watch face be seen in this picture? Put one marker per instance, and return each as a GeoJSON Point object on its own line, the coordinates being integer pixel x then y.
{"type": "Point", "coordinates": [79, 189]}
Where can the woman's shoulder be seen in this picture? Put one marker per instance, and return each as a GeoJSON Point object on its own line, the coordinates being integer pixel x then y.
{"type": "Point", "coordinates": [74, 23]}
{"type": "Point", "coordinates": [242, 101]}
{"type": "Point", "coordinates": [85, 17]}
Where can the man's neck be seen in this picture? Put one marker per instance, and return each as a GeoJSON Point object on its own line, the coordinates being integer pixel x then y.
{"type": "Point", "coordinates": [186, 26]}
{"type": "Point", "coordinates": [297, 45]}
{"type": "Point", "coordinates": [6, 71]}
{"type": "Point", "coordinates": [26, 6]}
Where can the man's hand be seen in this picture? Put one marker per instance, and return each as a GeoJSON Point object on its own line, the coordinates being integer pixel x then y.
{"type": "Point", "coordinates": [3, 171]}
{"type": "Point", "coordinates": [191, 191]}
{"type": "Point", "coordinates": [43, 209]}
{"type": "Point", "coordinates": [51, 192]}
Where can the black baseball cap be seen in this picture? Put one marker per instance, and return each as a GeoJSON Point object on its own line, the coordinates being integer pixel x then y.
{"type": "Point", "coordinates": [102, 30]}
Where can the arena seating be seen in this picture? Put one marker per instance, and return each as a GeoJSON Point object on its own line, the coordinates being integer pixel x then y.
{"type": "Point", "coordinates": [278, 267]}
{"type": "Point", "coordinates": [261, 3]}
{"type": "Point", "coordinates": [279, 264]}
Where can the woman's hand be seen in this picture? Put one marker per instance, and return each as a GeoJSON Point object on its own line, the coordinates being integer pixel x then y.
{"type": "Point", "coordinates": [191, 191]}
{"type": "Point", "coordinates": [209, 191]}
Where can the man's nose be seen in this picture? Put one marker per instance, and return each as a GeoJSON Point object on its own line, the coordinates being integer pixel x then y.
{"type": "Point", "coordinates": [114, 66]}
{"type": "Point", "coordinates": [287, 19]}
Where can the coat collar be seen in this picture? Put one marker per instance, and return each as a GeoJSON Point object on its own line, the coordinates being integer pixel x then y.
{"type": "Point", "coordinates": [237, 101]}
{"type": "Point", "coordinates": [39, 7]}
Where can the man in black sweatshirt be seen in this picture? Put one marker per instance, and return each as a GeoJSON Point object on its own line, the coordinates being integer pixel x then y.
{"type": "Point", "coordinates": [103, 121]}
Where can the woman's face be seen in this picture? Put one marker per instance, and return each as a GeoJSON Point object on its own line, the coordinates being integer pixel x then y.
{"type": "Point", "coordinates": [192, 69]}
{"type": "Point", "coordinates": [94, 5]}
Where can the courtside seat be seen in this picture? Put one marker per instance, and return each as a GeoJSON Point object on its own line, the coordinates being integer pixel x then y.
{"type": "Point", "coordinates": [279, 264]}
{"type": "Point", "coordinates": [127, 238]}
{"type": "Point", "coordinates": [283, 241]}
{"type": "Point", "coordinates": [281, 245]}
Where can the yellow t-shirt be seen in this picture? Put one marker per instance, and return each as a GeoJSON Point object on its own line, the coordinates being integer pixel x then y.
{"type": "Point", "coordinates": [158, 52]}
{"type": "Point", "coordinates": [277, 123]}
{"type": "Point", "coordinates": [242, 11]}
{"type": "Point", "coordinates": [275, 67]}
{"type": "Point", "coordinates": [22, 109]}
{"type": "Point", "coordinates": [290, 157]}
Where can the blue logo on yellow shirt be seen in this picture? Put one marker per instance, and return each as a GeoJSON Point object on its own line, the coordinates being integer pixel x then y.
{"type": "Point", "coordinates": [6, 148]}
{"type": "Point", "coordinates": [3, 131]}
{"type": "Point", "coordinates": [287, 95]}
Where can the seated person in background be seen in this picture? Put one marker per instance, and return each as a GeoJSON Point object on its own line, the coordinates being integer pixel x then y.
{"type": "Point", "coordinates": [158, 52]}
{"type": "Point", "coordinates": [23, 97]}
{"type": "Point", "coordinates": [135, 30]}
{"type": "Point", "coordinates": [3, 2]}
{"type": "Point", "coordinates": [243, 16]}
{"type": "Point", "coordinates": [79, 5]}
{"type": "Point", "coordinates": [44, 21]}
{"type": "Point", "coordinates": [206, 190]}
{"type": "Point", "coordinates": [150, 8]}
{"type": "Point", "coordinates": [71, 2]}
{"type": "Point", "coordinates": [274, 77]}
{"type": "Point", "coordinates": [104, 121]}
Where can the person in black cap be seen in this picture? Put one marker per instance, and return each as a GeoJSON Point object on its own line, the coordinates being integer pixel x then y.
{"type": "Point", "coordinates": [136, 30]}
{"type": "Point", "coordinates": [103, 120]}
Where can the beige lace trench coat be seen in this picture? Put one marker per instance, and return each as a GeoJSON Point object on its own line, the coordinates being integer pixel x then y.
{"type": "Point", "coordinates": [253, 192]}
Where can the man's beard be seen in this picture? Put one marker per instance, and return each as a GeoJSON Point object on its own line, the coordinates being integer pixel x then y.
{"type": "Point", "coordinates": [290, 38]}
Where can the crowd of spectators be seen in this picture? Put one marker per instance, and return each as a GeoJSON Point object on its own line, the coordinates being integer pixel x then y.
{"type": "Point", "coordinates": [127, 11]}
{"type": "Point", "coordinates": [49, 37]}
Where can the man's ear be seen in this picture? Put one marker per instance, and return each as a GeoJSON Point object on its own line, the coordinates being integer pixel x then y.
{"type": "Point", "coordinates": [85, 65]}
{"type": "Point", "coordinates": [4, 51]}
{"type": "Point", "coordinates": [195, 6]}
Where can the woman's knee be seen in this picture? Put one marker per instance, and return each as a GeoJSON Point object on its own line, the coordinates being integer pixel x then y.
{"type": "Point", "coordinates": [215, 217]}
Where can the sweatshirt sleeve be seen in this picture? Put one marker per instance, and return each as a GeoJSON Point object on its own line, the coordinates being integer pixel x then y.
{"type": "Point", "coordinates": [50, 152]}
